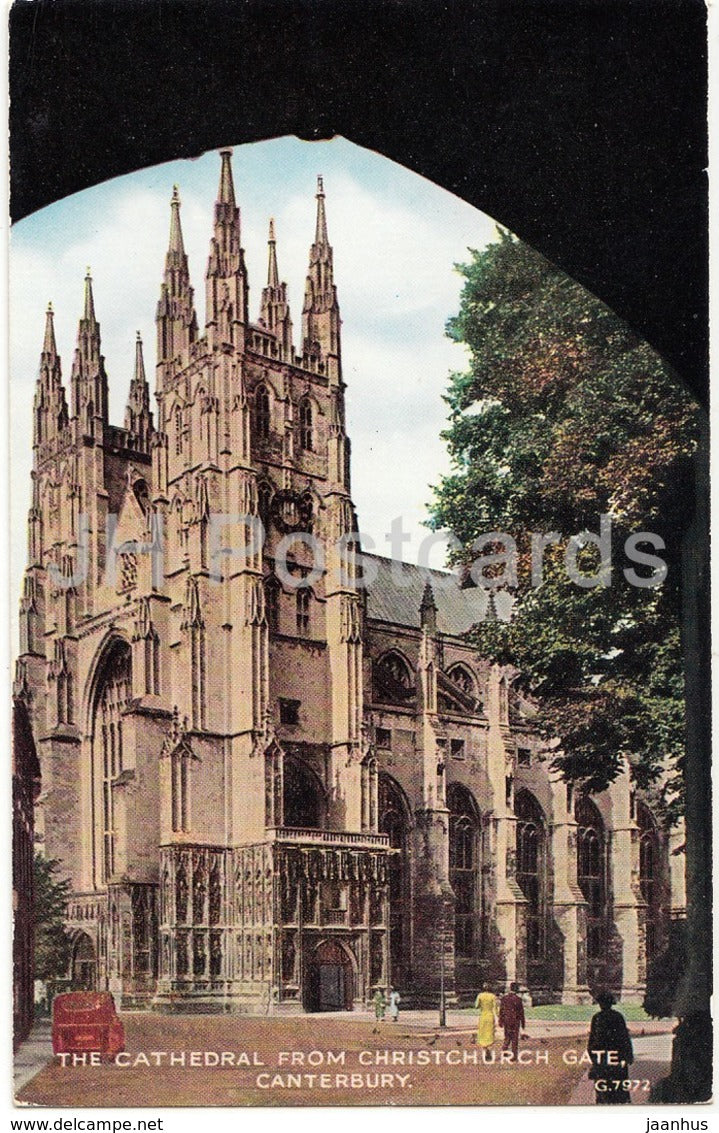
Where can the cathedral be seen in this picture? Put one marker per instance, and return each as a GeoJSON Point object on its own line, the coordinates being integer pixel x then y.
{"type": "Point", "coordinates": [276, 786]}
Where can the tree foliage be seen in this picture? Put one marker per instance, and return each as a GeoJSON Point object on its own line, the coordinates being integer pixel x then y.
{"type": "Point", "coordinates": [52, 944]}
{"type": "Point", "coordinates": [564, 415]}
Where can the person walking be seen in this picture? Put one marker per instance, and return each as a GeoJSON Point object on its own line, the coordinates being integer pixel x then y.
{"type": "Point", "coordinates": [511, 1019]}
{"type": "Point", "coordinates": [487, 1004]}
{"type": "Point", "coordinates": [380, 1005]}
{"type": "Point", "coordinates": [394, 998]}
{"type": "Point", "coordinates": [611, 1051]}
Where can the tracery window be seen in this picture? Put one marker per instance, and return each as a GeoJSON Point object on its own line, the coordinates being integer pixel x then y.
{"type": "Point", "coordinates": [462, 679]}
{"type": "Point", "coordinates": [392, 679]}
{"type": "Point", "coordinates": [262, 411]}
{"type": "Point", "coordinates": [305, 416]}
{"type": "Point", "coordinates": [530, 870]}
{"type": "Point", "coordinates": [592, 873]}
{"type": "Point", "coordinates": [272, 604]}
{"type": "Point", "coordinates": [114, 692]}
{"type": "Point", "coordinates": [303, 612]}
{"type": "Point", "coordinates": [464, 872]}
{"type": "Point", "coordinates": [303, 800]}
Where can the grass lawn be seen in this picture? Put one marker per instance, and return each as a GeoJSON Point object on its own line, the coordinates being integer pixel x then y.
{"type": "Point", "coordinates": [582, 1012]}
{"type": "Point", "coordinates": [577, 1012]}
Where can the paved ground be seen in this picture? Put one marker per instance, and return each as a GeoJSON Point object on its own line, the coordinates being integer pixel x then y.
{"type": "Point", "coordinates": [322, 1060]}
{"type": "Point", "coordinates": [652, 1056]}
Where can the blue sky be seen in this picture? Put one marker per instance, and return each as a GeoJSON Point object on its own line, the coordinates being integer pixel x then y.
{"type": "Point", "coordinates": [396, 238]}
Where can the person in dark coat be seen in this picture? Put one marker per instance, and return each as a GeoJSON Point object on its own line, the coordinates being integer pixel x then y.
{"type": "Point", "coordinates": [511, 1019]}
{"type": "Point", "coordinates": [611, 1052]}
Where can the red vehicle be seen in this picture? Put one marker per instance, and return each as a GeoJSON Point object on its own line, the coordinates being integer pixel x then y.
{"type": "Point", "coordinates": [84, 1022]}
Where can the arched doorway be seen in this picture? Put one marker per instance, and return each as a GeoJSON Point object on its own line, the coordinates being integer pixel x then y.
{"type": "Point", "coordinates": [83, 970]}
{"type": "Point", "coordinates": [329, 984]}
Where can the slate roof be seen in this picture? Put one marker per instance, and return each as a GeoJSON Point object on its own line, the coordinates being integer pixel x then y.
{"type": "Point", "coordinates": [399, 601]}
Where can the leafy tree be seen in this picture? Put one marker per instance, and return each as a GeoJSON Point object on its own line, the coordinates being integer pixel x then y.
{"type": "Point", "coordinates": [563, 416]}
{"type": "Point", "coordinates": [52, 944]}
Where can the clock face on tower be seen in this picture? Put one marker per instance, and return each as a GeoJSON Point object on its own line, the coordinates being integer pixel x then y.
{"type": "Point", "coordinates": [292, 511]}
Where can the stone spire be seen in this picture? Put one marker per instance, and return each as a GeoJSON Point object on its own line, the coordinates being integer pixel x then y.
{"type": "Point", "coordinates": [138, 415]}
{"type": "Point", "coordinates": [320, 314]}
{"type": "Point", "coordinates": [226, 272]}
{"type": "Point", "coordinates": [88, 379]}
{"type": "Point", "coordinates": [176, 319]}
{"type": "Point", "coordinates": [50, 407]}
{"type": "Point", "coordinates": [274, 310]}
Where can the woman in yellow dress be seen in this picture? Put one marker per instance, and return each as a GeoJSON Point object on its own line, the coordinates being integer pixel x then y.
{"type": "Point", "coordinates": [487, 1004]}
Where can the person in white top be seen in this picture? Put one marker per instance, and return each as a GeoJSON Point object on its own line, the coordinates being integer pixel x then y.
{"type": "Point", "coordinates": [394, 998]}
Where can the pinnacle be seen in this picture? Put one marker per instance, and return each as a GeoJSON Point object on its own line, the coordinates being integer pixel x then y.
{"type": "Point", "coordinates": [49, 346]}
{"type": "Point", "coordinates": [273, 278]}
{"type": "Point", "coordinates": [176, 243]}
{"type": "Point", "coordinates": [89, 312]}
{"type": "Point", "coordinates": [321, 227]}
{"type": "Point", "coordinates": [428, 601]}
{"type": "Point", "coordinates": [226, 191]}
{"type": "Point", "coordinates": [139, 361]}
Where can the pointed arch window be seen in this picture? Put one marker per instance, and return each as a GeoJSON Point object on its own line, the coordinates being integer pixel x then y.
{"type": "Point", "coordinates": [394, 821]}
{"type": "Point", "coordinates": [178, 431]}
{"type": "Point", "coordinates": [272, 604]}
{"type": "Point", "coordinates": [180, 761]}
{"type": "Point", "coordinates": [503, 700]}
{"type": "Point", "coordinates": [303, 612]}
{"type": "Point", "coordinates": [198, 661]}
{"type": "Point", "coordinates": [392, 680]}
{"type": "Point", "coordinates": [369, 794]}
{"type": "Point", "coordinates": [65, 699]}
{"type": "Point", "coordinates": [592, 873]}
{"type": "Point", "coordinates": [142, 495]}
{"type": "Point", "coordinates": [303, 799]}
{"type": "Point", "coordinates": [264, 504]}
{"type": "Point", "coordinates": [152, 663]}
{"type": "Point", "coordinates": [306, 434]}
{"type": "Point", "coordinates": [262, 411]}
{"type": "Point", "coordinates": [462, 678]}
{"type": "Point", "coordinates": [464, 869]}
{"type": "Point", "coordinates": [530, 870]}
{"type": "Point", "coordinates": [114, 692]}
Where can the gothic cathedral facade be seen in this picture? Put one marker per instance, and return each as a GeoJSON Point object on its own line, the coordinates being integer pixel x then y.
{"type": "Point", "coordinates": [282, 789]}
